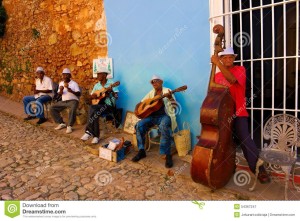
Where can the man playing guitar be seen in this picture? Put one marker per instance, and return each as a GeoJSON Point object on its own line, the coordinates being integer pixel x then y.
{"type": "Point", "coordinates": [103, 97]}
{"type": "Point", "coordinates": [163, 117]}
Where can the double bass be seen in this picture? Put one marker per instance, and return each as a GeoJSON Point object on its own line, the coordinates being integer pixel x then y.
{"type": "Point", "coordinates": [213, 160]}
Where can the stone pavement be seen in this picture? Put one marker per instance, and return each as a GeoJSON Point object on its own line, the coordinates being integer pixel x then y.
{"type": "Point", "coordinates": [39, 163]}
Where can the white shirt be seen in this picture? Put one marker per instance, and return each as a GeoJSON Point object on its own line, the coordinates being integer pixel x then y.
{"type": "Point", "coordinates": [46, 84]}
{"type": "Point", "coordinates": [168, 104]}
{"type": "Point", "coordinates": [68, 95]}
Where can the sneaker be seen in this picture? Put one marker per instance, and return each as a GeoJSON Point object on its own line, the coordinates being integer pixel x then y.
{"type": "Point", "coordinates": [140, 155]}
{"type": "Point", "coordinates": [41, 120]}
{"type": "Point", "coordinates": [95, 140]}
{"type": "Point", "coordinates": [86, 136]}
{"type": "Point", "coordinates": [29, 117]}
{"type": "Point", "coordinates": [60, 126]}
{"type": "Point", "coordinates": [169, 161]}
{"type": "Point", "coordinates": [69, 130]}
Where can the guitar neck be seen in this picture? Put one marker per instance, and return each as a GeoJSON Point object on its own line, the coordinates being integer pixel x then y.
{"type": "Point", "coordinates": [163, 96]}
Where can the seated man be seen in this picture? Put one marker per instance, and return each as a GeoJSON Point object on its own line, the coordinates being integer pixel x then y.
{"type": "Point", "coordinates": [164, 118]}
{"type": "Point", "coordinates": [69, 91]}
{"type": "Point", "coordinates": [106, 104]}
{"type": "Point", "coordinates": [42, 94]}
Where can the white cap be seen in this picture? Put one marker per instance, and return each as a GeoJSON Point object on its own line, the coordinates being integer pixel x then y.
{"type": "Point", "coordinates": [156, 77]}
{"type": "Point", "coordinates": [103, 70]}
{"type": "Point", "coordinates": [227, 51]}
{"type": "Point", "coordinates": [66, 71]}
{"type": "Point", "coordinates": [39, 69]}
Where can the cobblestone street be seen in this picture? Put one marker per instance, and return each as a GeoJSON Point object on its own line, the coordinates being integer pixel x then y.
{"type": "Point", "coordinates": [41, 164]}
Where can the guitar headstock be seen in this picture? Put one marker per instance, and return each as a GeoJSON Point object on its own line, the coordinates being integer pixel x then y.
{"type": "Point", "coordinates": [182, 88]}
{"type": "Point", "coordinates": [117, 83]}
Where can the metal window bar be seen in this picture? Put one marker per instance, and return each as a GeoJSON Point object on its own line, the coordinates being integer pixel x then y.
{"type": "Point", "coordinates": [297, 56]}
{"type": "Point", "coordinates": [251, 65]}
{"type": "Point", "coordinates": [262, 68]}
{"type": "Point", "coordinates": [273, 55]}
{"type": "Point", "coordinates": [246, 10]}
{"type": "Point", "coordinates": [223, 13]}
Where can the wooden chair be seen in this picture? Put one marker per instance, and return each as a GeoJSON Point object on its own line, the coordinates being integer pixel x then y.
{"type": "Point", "coordinates": [283, 133]}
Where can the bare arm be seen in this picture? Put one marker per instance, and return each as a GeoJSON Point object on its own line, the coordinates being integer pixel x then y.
{"type": "Point", "coordinates": [227, 74]}
{"type": "Point", "coordinates": [73, 92]}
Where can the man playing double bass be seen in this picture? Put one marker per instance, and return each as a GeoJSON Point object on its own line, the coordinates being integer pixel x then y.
{"type": "Point", "coordinates": [164, 118]}
{"type": "Point", "coordinates": [234, 77]}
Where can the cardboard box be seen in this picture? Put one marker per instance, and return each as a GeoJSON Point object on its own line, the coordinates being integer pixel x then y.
{"type": "Point", "coordinates": [114, 156]}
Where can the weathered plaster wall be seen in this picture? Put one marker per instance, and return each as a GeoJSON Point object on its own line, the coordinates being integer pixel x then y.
{"type": "Point", "coordinates": [53, 34]}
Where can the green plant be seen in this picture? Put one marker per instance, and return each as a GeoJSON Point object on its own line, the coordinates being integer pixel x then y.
{"type": "Point", "coordinates": [12, 67]}
{"type": "Point", "coordinates": [35, 33]}
{"type": "Point", "coordinates": [9, 89]}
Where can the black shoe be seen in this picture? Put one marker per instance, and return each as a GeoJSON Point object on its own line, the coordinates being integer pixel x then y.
{"type": "Point", "coordinates": [169, 161]}
{"type": "Point", "coordinates": [41, 120]}
{"type": "Point", "coordinates": [29, 117]}
{"type": "Point", "coordinates": [140, 155]}
{"type": "Point", "coordinates": [263, 177]}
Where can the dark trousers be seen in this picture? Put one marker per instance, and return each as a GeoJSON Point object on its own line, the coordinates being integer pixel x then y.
{"type": "Point", "coordinates": [249, 148]}
{"type": "Point", "coordinates": [56, 108]}
{"type": "Point", "coordinates": [95, 112]}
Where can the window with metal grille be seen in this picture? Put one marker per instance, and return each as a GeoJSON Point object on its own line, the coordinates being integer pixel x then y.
{"type": "Point", "coordinates": [265, 35]}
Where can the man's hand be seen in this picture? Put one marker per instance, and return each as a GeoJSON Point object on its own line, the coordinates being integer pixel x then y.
{"type": "Point", "coordinates": [116, 95]}
{"type": "Point", "coordinates": [169, 95]}
{"type": "Point", "coordinates": [94, 96]}
{"type": "Point", "coordinates": [215, 59]}
{"type": "Point", "coordinates": [61, 89]}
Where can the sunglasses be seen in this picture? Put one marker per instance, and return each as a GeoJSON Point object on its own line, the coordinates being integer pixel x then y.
{"type": "Point", "coordinates": [155, 81]}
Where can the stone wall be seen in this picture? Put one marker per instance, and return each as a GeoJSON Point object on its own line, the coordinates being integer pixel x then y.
{"type": "Point", "coordinates": [53, 34]}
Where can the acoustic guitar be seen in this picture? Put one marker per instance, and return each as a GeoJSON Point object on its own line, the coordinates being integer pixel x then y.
{"type": "Point", "coordinates": [148, 106]}
{"type": "Point", "coordinates": [103, 93]}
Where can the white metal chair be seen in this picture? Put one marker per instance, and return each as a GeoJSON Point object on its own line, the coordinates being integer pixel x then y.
{"type": "Point", "coordinates": [283, 133]}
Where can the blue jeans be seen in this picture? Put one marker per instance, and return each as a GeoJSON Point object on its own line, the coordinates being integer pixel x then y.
{"type": "Point", "coordinates": [39, 112]}
{"type": "Point", "coordinates": [164, 124]}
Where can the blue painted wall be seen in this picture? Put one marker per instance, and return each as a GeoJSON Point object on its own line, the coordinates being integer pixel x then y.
{"type": "Point", "coordinates": [165, 37]}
